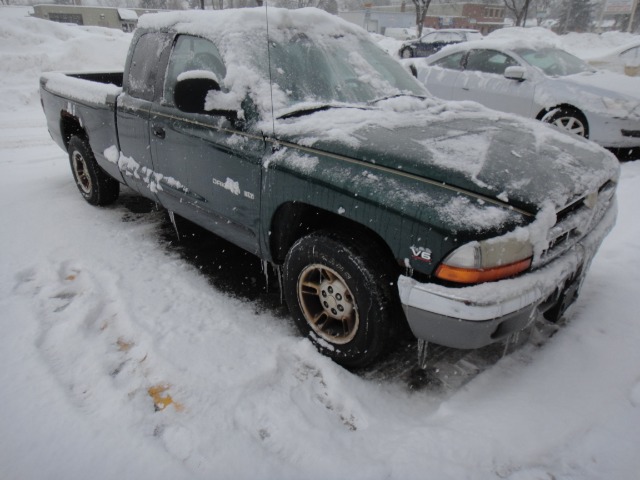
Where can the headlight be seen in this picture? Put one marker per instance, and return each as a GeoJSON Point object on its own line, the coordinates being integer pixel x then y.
{"type": "Point", "coordinates": [486, 261]}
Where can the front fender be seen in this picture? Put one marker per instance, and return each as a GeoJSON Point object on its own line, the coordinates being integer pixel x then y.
{"type": "Point", "coordinates": [420, 221]}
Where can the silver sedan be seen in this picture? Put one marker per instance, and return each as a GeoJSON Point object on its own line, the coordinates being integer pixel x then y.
{"type": "Point", "coordinates": [539, 82]}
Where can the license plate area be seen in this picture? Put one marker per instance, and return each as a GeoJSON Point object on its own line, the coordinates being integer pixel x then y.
{"type": "Point", "coordinates": [554, 307]}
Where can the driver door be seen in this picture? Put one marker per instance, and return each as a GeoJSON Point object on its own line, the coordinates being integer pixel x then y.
{"type": "Point", "coordinates": [208, 170]}
{"type": "Point", "coordinates": [483, 81]}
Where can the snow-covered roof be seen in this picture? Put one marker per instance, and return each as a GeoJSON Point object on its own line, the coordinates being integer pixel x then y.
{"type": "Point", "coordinates": [127, 15]}
{"type": "Point", "coordinates": [218, 23]}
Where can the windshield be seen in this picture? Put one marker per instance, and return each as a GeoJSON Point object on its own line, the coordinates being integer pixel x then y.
{"type": "Point", "coordinates": [335, 69]}
{"type": "Point", "coordinates": [554, 62]}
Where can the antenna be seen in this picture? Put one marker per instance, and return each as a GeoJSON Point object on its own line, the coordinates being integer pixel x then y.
{"type": "Point", "coordinates": [273, 118]}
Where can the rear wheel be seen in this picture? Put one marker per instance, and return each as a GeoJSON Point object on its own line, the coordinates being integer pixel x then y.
{"type": "Point", "coordinates": [339, 297]}
{"type": "Point", "coordinates": [94, 184]}
{"type": "Point", "coordinates": [568, 119]}
{"type": "Point", "coordinates": [406, 53]}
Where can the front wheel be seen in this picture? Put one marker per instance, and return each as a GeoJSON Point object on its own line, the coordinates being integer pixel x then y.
{"type": "Point", "coordinates": [339, 297]}
{"type": "Point", "coordinates": [569, 120]}
{"type": "Point", "coordinates": [96, 186]}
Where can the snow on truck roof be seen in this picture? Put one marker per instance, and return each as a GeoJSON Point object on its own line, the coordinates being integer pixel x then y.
{"type": "Point", "coordinates": [311, 21]}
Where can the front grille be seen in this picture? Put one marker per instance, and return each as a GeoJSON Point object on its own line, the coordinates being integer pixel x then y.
{"type": "Point", "coordinates": [575, 221]}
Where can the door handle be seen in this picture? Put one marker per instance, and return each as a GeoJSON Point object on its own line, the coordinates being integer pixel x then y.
{"type": "Point", "coordinates": [159, 132]}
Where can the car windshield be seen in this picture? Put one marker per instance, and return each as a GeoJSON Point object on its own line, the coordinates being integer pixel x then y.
{"type": "Point", "coordinates": [554, 62]}
{"type": "Point", "coordinates": [339, 69]}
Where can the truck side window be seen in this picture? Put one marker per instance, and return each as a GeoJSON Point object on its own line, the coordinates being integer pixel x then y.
{"type": "Point", "coordinates": [191, 53]}
{"type": "Point", "coordinates": [143, 68]}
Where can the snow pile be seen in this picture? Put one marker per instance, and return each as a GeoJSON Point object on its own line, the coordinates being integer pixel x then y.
{"type": "Point", "coordinates": [517, 35]}
{"type": "Point", "coordinates": [121, 360]}
{"type": "Point", "coordinates": [586, 45]}
{"type": "Point", "coordinates": [30, 46]}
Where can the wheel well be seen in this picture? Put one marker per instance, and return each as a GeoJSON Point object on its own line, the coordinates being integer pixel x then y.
{"type": "Point", "coordinates": [69, 127]}
{"type": "Point", "coordinates": [568, 108]}
{"type": "Point", "coordinates": [294, 220]}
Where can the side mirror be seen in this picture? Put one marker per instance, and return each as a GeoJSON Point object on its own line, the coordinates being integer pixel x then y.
{"type": "Point", "coordinates": [516, 73]}
{"type": "Point", "coordinates": [190, 94]}
{"type": "Point", "coordinates": [191, 91]}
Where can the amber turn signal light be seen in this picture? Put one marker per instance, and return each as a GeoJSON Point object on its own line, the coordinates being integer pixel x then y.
{"type": "Point", "coordinates": [472, 275]}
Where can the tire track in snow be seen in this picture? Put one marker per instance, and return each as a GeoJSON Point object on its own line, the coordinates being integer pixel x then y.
{"type": "Point", "coordinates": [92, 348]}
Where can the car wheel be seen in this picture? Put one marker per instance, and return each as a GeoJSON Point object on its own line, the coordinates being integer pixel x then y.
{"type": "Point", "coordinates": [568, 119]}
{"type": "Point", "coordinates": [406, 53]}
{"type": "Point", "coordinates": [94, 184]}
{"type": "Point", "coordinates": [339, 297]}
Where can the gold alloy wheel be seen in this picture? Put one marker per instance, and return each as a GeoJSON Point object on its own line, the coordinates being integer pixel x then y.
{"type": "Point", "coordinates": [81, 172]}
{"type": "Point", "coordinates": [328, 304]}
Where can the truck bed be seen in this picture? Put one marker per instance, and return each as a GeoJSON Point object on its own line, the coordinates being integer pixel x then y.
{"type": "Point", "coordinates": [86, 101]}
{"type": "Point", "coordinates": [113, 78]}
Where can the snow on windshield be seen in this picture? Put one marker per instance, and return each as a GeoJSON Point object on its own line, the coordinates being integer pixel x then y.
{"type": "Point", "coordinates": [313, 57]}
{"type": "Point", "coordinates": [554, 62]}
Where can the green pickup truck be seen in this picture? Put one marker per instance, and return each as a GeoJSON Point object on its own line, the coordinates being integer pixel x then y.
{"type": "Point", "coordinates": [292, 135]}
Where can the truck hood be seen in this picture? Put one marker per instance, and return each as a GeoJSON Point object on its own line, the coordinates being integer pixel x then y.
{"type": "Point", "coordinates": [514, 161]}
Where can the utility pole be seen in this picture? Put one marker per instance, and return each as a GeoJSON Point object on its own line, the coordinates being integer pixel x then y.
{"type": "Point", "coordinates": [633, 14]}
{"type": "Point", "coordinates": [565, 27]}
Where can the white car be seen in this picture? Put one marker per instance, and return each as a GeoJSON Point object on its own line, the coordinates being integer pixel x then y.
{"type": "Point", "coordinates": [624, 59]}
{"type": "Point", "coordinates": [539, 82]}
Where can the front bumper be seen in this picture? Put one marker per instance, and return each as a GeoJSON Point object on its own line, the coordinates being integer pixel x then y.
{"type": "Point", "coordinates": [475, 316]}
{"type": "Point", "coordinates": [613, 132]}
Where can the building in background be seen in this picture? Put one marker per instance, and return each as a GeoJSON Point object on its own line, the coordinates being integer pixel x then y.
{"type": "Point", "coordinates": [124, 19]}
{"type": "Point", "coordinates": [479, 16]}
{"type": "Point", "coordinates": [620, 15]}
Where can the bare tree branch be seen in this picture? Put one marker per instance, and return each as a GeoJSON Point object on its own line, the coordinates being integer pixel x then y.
{"type": "Point", "coordinates": [421, 12]}
{"type": "Point", "coordinates": [518, 9]}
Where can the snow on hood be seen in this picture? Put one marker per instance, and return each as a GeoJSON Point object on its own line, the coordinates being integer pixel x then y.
{"type": "Point", "coordinates": [501, 156]}
{"type": "Point", "coordinates": [614, 86]}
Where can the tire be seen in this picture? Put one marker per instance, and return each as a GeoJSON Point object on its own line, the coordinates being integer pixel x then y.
{"type": "Point", "coordinates": [406, 53]}
{"type": "Point", "coordinates": [569, 120]}
{"type": "Point", "coordinates": [340, 297]}
{"type": "Point", "coordinates": [94, 184]}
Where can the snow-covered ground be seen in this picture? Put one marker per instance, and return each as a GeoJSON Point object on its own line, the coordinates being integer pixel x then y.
{"type": "Point", "coordinates": [101, 318]}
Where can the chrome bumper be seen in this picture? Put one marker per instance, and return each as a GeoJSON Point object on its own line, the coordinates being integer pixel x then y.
{"type": "Point", "coordinates": [475, 316]}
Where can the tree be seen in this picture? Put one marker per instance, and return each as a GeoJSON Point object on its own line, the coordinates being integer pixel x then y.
{"type": "Point", "coordinates": [576, 16]}
{"type": "Point", "coordinates": [153, 4]}
{"type": "Point", "coordinates": [519, 10]}
{"type": "Point", "coordinates": [330, 6]}
{"type": "Point", "coordinates": [421, 12]}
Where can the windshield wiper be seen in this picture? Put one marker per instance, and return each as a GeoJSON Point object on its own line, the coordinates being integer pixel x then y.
{"type": "Point", "coordinates": [313, 109]}
{"type": "Point", "coordinates": [421, 97]}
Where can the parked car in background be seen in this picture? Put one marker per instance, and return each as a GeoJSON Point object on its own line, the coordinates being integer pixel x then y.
{"type": "Point", "coordinates": [399, 33]}
{"type": "Point", "coordinates": [539, 82]}
{"type": "Point", "coordinates": [434, 41]}
{"type": "Point", "coordinates": [624, 59]}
